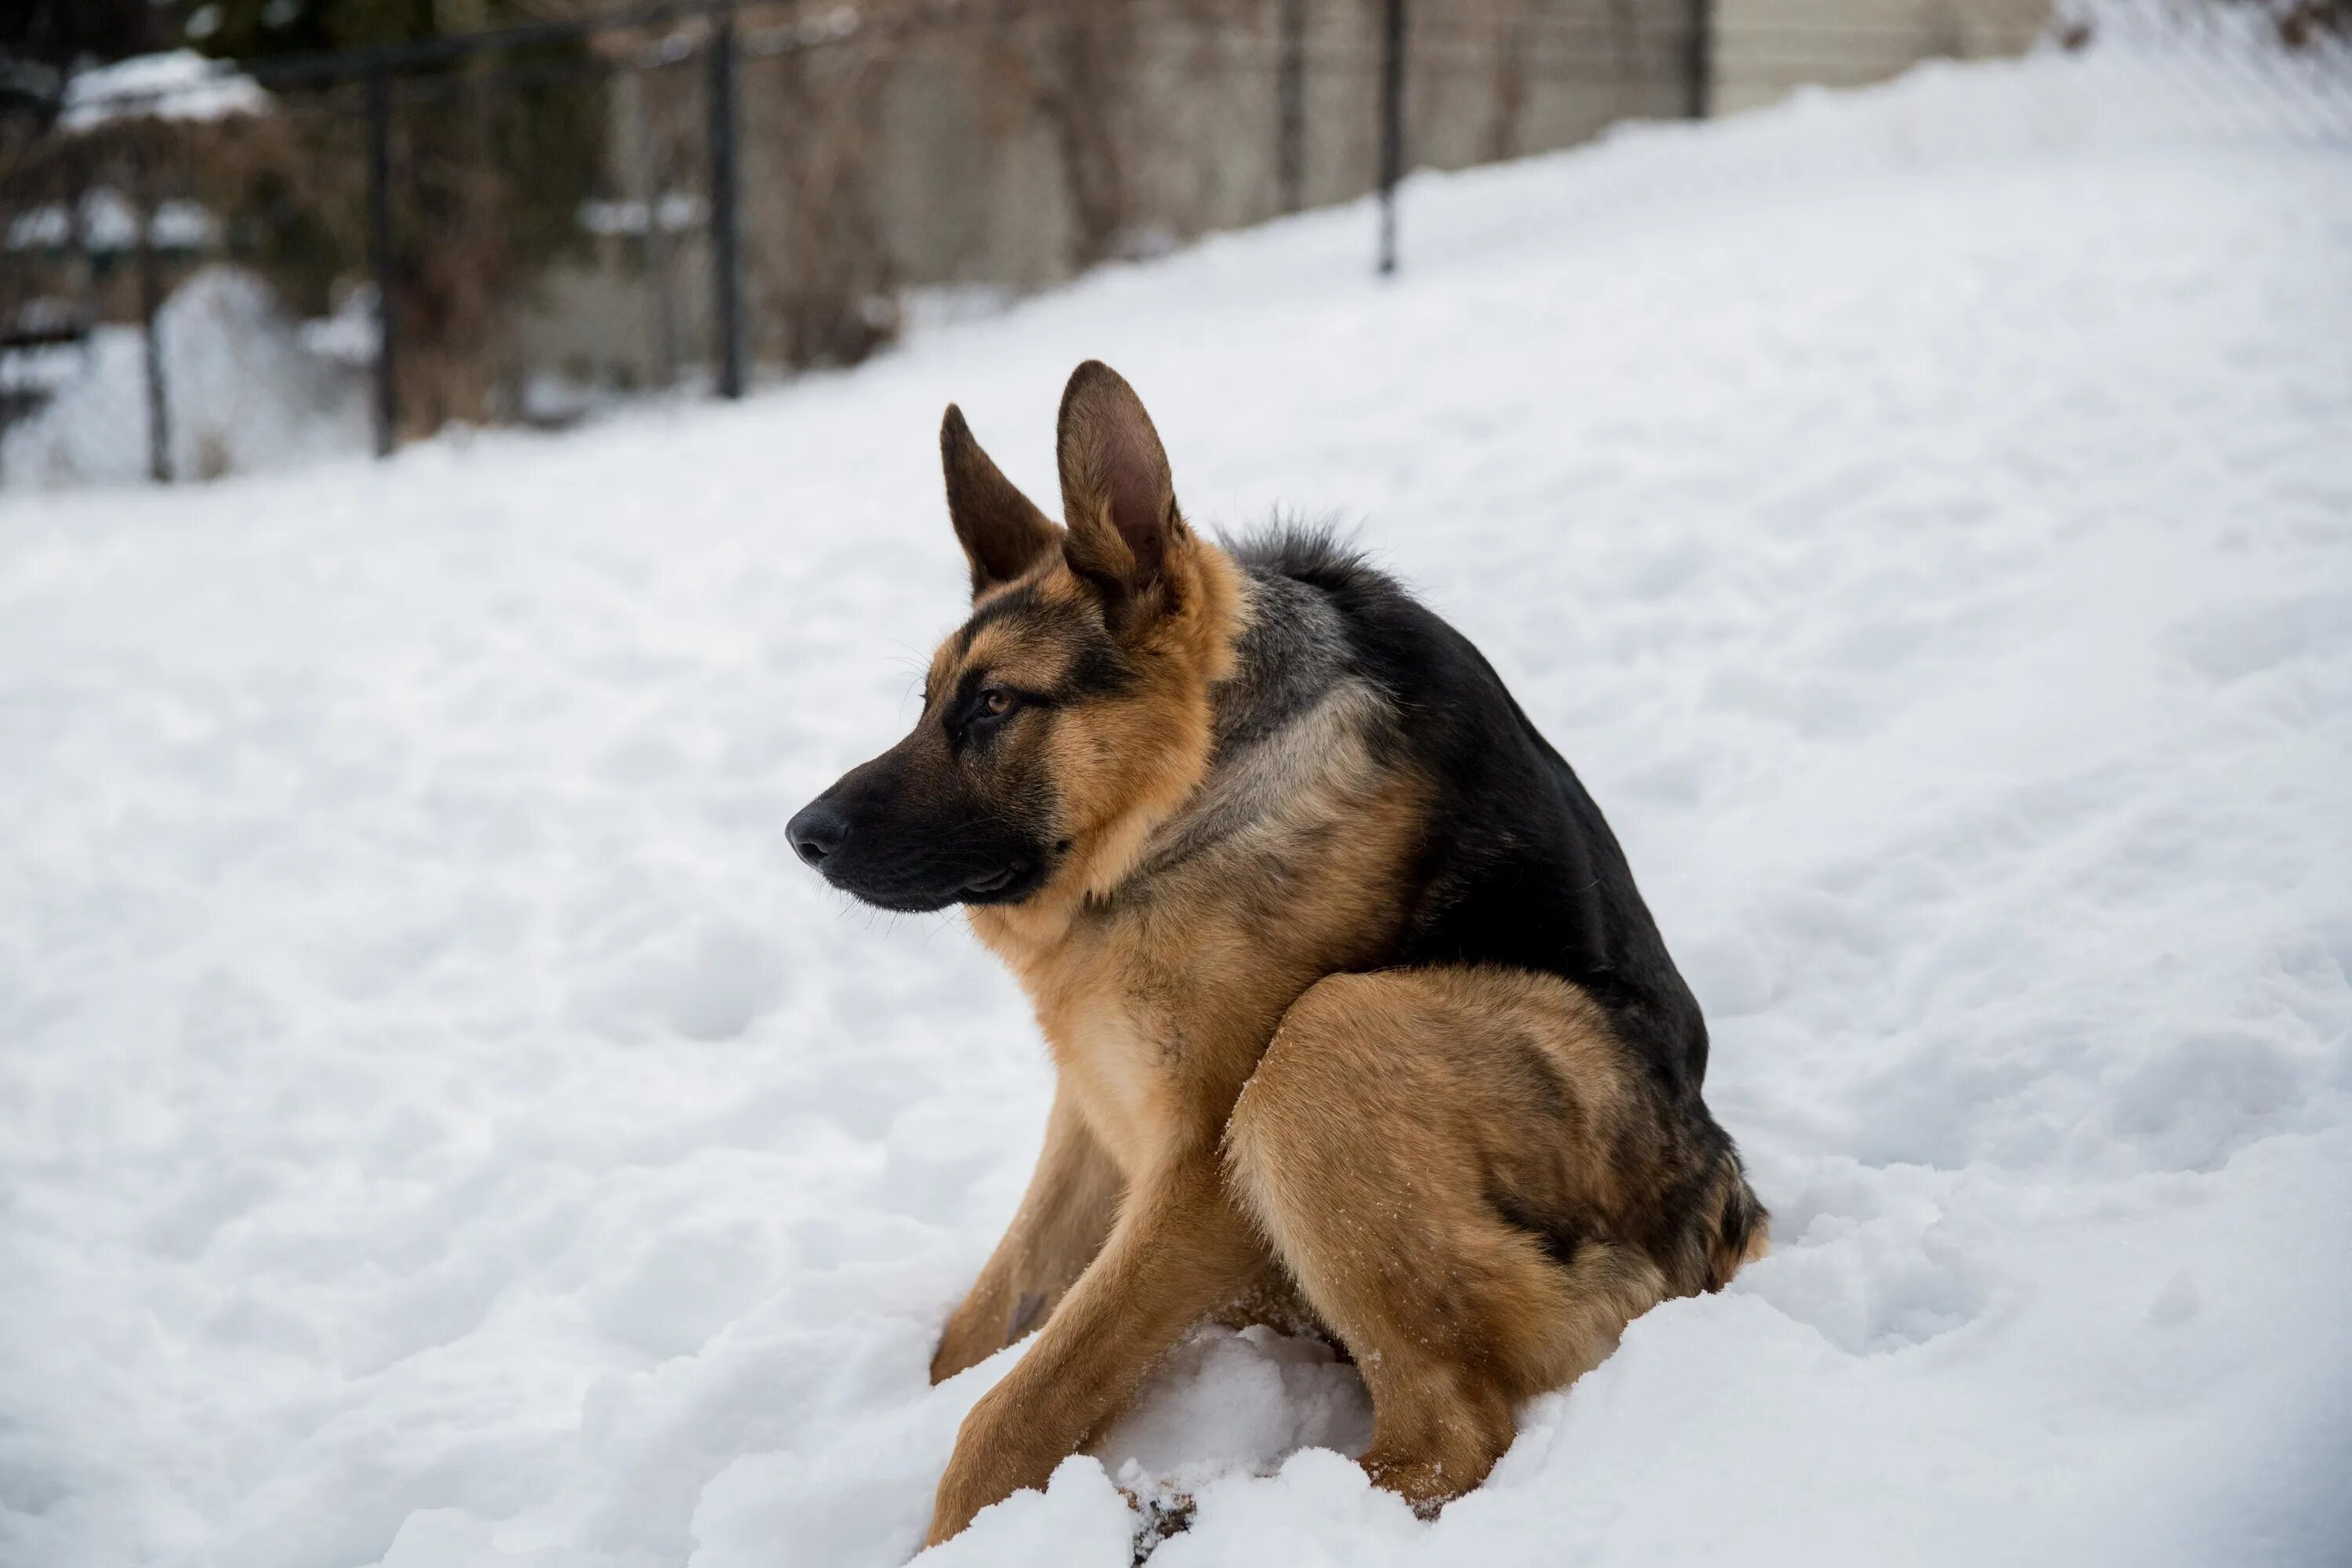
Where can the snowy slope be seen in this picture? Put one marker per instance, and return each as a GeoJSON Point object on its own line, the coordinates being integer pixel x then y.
{"type": "Point", "coordinates": [441, 1126]}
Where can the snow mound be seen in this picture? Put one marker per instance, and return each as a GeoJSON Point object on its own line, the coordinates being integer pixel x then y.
{"type": "Point", "coordinates": [442, 1127]}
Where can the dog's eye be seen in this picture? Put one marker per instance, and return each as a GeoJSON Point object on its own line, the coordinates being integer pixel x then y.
{"type": "Point", "coordinates": [977, 717]}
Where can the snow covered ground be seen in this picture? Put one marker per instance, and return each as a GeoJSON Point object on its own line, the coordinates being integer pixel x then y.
{"type": "Point", "coordinates": [441, 1126]}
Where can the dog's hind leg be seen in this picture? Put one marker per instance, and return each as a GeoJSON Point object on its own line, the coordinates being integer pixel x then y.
{"type": "Point", "coordinates": [1059, 1227]}
{"type": "Point", "coordinates": [1440, 1157]}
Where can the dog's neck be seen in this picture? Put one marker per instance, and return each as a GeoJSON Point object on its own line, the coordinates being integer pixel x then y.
{"type": "Point", "coordinates": [1286, 718]}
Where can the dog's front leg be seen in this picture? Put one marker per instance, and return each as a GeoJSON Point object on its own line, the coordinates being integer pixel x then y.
{"type": "Point", "coordinates": [1060, 1227]}
{"type": "Point", "coordinates": [1178, 1251]}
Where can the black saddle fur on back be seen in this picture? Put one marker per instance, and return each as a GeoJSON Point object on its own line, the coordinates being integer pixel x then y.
{"type": "Point", "coordinates": [1518, 866]}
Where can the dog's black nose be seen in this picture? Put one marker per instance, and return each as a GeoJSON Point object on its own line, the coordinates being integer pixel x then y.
{"type": "Point", "coordinates": [816, 830]}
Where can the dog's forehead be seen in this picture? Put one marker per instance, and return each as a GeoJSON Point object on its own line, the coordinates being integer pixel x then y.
{"type": "Point", "coordinates": [1025, 635]}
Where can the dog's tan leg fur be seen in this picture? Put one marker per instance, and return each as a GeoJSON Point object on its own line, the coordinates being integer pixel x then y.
{"type": "Point", "coordinates": [1464, 1176]}
{"type": "Point", "coordinates": [1177, 1253]}
{"type": "Point", "coordinates": [1394, 1124]}
{"type": "Point", "coordinates": [1063, 1220]}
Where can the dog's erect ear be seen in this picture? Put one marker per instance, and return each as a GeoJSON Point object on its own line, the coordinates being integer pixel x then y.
{"type": "Point", "coordinates": [1116, 495]}
{"type": "Point", "coordinates": [1002, 531]}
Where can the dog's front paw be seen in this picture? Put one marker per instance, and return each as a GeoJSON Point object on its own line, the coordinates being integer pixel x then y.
{"type": "Point", "coordinates": [971, 1337]}
{"type": "Point", "coordinates": [987, 1467]}
{"type": "Point", "coordinates": [961, 1496]}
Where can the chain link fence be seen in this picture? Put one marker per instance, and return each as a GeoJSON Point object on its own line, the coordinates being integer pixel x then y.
{"type": "Point", "coordinates": [216, 267]}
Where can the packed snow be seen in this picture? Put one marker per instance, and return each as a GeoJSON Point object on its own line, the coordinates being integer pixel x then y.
{"type": "Point", "coordinates": [441, 1126]}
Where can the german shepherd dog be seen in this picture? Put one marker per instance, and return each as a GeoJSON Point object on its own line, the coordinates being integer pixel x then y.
{"type": "Point", "coordinates": [1358, 1022]}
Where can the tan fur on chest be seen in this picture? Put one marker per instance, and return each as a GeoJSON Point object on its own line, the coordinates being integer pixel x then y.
{"type": "Point", "coordinates": [1159, 1002]}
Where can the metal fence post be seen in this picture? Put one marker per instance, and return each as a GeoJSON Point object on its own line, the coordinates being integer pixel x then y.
{"type": "Point", "coordinates": [1700, 63]}
{"type": "Point", "coordinates": [1290, 126]}
{"type": "Point", "coordinates": [151, 305]}
{"type": "Point", "coordinates": [380, 264]}
{"type": "Point", "coordinates": [1391, 128]}
{"type": "Point", "coordinates": [726, 277]}
{"type": "Point", "coordinates": [649, 177]}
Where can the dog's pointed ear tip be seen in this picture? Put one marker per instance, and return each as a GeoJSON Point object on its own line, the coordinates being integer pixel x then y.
{"type": "Point", "coordinates": [1093, 376]}
{"type": "Point", "coordinates": [952, 424]}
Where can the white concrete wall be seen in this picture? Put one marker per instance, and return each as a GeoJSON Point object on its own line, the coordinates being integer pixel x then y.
{"type": "Point", "coordinates": [1764, 50]}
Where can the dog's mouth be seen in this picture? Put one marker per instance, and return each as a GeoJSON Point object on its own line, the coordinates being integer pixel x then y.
{"type": "Point", "coordinates": [1008, 882]}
